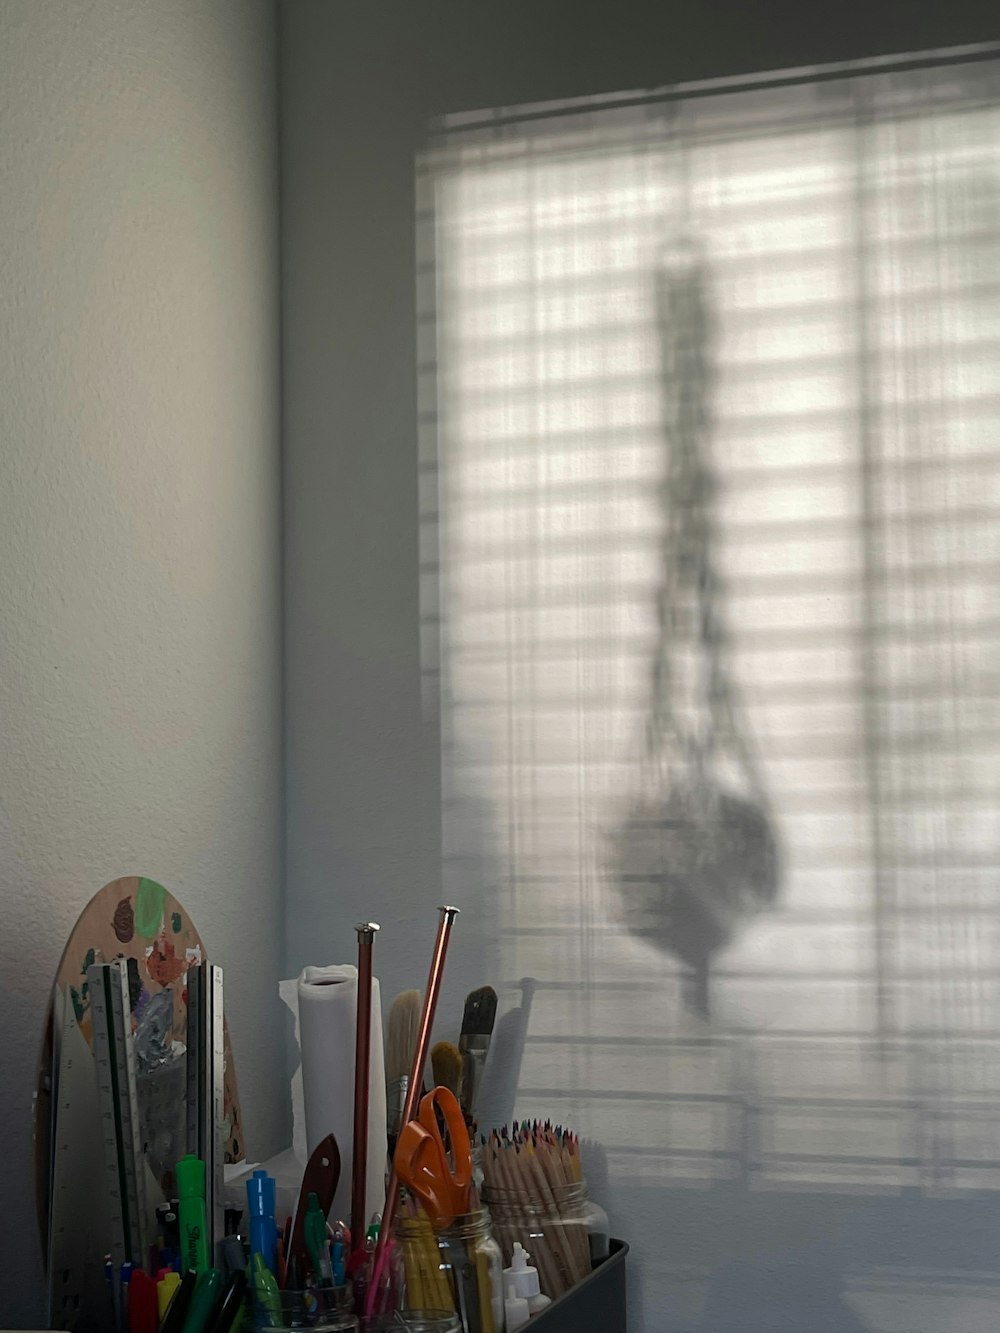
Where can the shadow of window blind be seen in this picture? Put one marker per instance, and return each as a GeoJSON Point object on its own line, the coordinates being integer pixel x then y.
{"type": "Point", "coordinates": [849, 229]}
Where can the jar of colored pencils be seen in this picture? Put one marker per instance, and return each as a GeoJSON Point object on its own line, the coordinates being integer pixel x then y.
{"type": "Point", "coordinates": [459, 1268]}
{"type": "Point", "coordinates": [561, 1228]}
{"type": "Point", "coordinates": [535, 1188]}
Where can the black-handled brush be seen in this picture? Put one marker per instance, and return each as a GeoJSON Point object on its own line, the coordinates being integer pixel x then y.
{"type": "Point", "coordinates": [474, 1043]}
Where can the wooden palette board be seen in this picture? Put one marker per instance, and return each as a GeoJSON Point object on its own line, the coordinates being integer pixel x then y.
{"type": "Point", "coordinates": [139, 920]}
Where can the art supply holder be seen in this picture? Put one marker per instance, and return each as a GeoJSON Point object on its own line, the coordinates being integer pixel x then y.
{"type": "Point", "coordinates": [319, 1309]}
{"type": "Point", "coordinates": [563, 1232]}
{"type": "Point", "coordinates": [595, 1305]}
{"type": "Point", "coordinates": [458, 1267]}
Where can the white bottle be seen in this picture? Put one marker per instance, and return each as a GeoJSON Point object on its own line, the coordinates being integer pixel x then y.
{"type": "Point", "coordinates": [523, 1296]}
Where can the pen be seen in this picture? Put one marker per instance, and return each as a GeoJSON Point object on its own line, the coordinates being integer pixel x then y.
{"type": "Point", "coordinates": [315, 1231]}
{"type": "Point", "coordinates": [281, 1265]}
{"type": "Point", "coordinates": [205, 1301]}
{"type": "Point", "coordinates": [295, 1300]}
{"type": "Point", "coordinates": [171, 1228]}
{"type": "Point", "coordinates": [125, 1277]}
{"type": "Point", "coordinates": [166, 1287]}
{"type": "Point", "coordinates": [231, 1310]}
{"type": "Point", "coordinates": [181, 1303]}
{"type": "Point", "coordinates": [338, 1254]}
{"type": "Point", "coordinates": [109, 1278]}
{"type": "Point", "coordinates": [233, 1258]}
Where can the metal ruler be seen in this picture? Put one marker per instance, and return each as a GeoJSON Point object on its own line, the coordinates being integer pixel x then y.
{"type": "Point", "coordinates": [114, 1056]}
{"type": "Point", "coordinates": [76, 1213]}
{"type": "Point", "coordinates": [205, 1094]}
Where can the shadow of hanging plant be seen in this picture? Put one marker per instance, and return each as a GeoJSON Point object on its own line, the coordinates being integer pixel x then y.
{"type": "Point", "coordinates": [695, 856]}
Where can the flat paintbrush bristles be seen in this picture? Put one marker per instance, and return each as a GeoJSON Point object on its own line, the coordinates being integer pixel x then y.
{"type": "Point", "coordinates": [401, 1035]}
{"type": "Point", "coordinates": [480, 1012]}
{"type": "Point", "coordinates": [446, 1062]}
{"type": "Point", "coordinates": [474, 1044]}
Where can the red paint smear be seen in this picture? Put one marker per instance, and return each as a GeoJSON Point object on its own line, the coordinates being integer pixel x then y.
{"type": "Point", "coordinates": [163, 965]}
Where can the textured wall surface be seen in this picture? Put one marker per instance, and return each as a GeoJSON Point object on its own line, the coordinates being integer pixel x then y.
{"type": "Point", "coordinates": [140, 631]}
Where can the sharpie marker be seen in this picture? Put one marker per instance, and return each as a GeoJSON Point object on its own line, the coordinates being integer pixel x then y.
{"type": "Point", "coordinates": [230, 1312]}
{"type": "Point", "coordinates": [205, 1302]}
{"type": "Point", "coordinates": [181, 1303]}
{"type": "Point", "coordinates": [194, 1222]}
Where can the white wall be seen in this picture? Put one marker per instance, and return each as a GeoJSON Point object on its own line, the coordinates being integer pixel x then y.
{"type": "Point", "coordinates": [363, 789]}
{"type": "Point", "coordinates": [140, 630]}
{"type": "Point", "coordinates": [359, 81]}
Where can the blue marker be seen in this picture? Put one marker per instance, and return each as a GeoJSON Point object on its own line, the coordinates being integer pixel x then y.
{"type": "Point", "coordinates": [263, 1229]}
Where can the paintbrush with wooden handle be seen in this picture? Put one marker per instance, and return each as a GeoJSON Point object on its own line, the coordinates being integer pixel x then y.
{"type": "Point", "coordinates": [474, 1043]}
{"type": "Point", "coordinates": [400, 1043]}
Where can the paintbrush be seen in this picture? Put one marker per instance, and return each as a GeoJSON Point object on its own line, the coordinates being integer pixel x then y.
{"type": "Point", "coordinates": [446, 1062]}
{"type": "Point", "coordinates": [474, 1043]}
{"type": "Point", "coordinates": [400, 1043]}
{"type": "Point", "coordinates": [446, 1066]}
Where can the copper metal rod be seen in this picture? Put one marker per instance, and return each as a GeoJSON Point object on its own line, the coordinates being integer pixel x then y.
{"type": "Point", "coordinates": [447, 916]}
{"type": "Point", "coordinates": [362, 1076]}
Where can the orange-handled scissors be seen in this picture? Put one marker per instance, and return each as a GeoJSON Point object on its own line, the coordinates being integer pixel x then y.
{"type": "Point", "coordinates": [422, 1161]}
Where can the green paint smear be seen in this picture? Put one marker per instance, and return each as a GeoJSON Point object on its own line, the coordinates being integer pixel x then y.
{"type": "Point", "coordinates": [88, 961]}
{"type": "Point", "coordinates": [149, 908]}
{"type": "Point", "coordinates": [77, 1002]}
{"type": "Point", "coordinates": [175, 921]}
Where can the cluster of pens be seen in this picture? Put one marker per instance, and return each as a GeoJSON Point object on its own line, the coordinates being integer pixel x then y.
{"type": "Point", "coordinates": [208, 1301]}
{"type": "Point", "coordinates": [295, 1277]}
{"type": "Point", "coordinates": [301, 1272]}
{"type": "Point", "coordinates": [187, 1294]}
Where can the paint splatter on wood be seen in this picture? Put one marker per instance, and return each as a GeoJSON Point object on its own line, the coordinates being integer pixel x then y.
{"type": "Point", "coordinates": [123, 920]}
{"type": "Point", "coordinates": [162, 962]}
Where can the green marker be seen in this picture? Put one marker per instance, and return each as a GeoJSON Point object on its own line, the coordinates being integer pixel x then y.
{"type": "Point", "coordinates": [315, 1232]}
{"type": "Point", "coordinates": [207, 1294]}
{"type": "Point", "coordinates": [266, 1290]}
{"type": "Point", "coordinates": [193, 1221]}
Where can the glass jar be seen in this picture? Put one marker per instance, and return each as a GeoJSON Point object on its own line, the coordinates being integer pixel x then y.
{"type": "Point", "coordinates": [458, 1269]}
{"type": "Point", "coordinates": [564, 1232]}
{"type": "Point", "coordinates": [416, 1321]}
{"type": "Point", "coordinates": [321, 1309]}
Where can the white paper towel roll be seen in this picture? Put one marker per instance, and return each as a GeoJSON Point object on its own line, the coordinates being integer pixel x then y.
{"type": "Point", "coordinates": [324, 1002]}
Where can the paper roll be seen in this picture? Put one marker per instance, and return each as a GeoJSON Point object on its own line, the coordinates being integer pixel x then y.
{"type": "Point", "coordinates": [324, 1000]}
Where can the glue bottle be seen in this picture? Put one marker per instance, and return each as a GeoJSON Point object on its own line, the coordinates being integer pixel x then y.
{"type": "Point", "coordinates": [523, 1297]}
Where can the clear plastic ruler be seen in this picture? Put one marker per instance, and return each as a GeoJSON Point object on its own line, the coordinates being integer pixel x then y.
{"type": "Point", "coordinates": [205, 1094]}
{"type": "Point", "coordinates": [114, 1056]}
